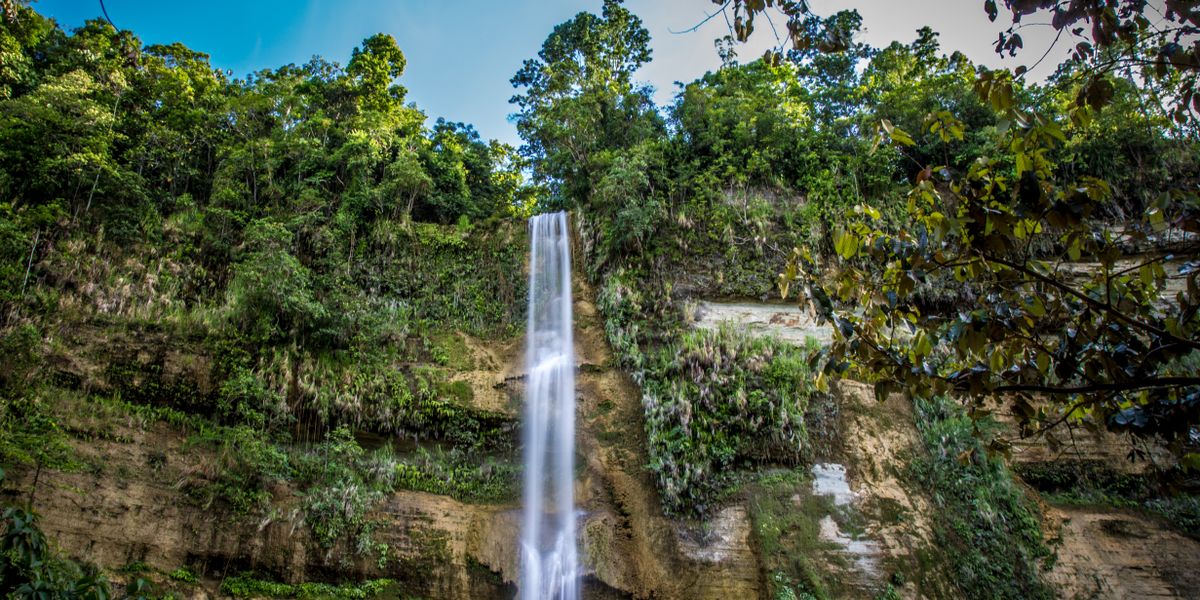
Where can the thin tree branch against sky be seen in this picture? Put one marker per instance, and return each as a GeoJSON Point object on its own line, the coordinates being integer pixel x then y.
{"type": "Point", "coordinates": [461, 55]}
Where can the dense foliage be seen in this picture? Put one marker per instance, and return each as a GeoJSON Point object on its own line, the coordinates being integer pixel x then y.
{"type": "Point", "coordinates": [759, 158]}
{"type": "Point", "coordinates": [1064, 240]}
{"type": "Point", "coordinates": [579, 99]}
{"type": "Point", "coordinates": [268, 265]}
{"type": "Point", "coordinates": [717, 401]}
{"type": "Point", "coordinates": [246, 585]}
{"type": "Point", "coordinates": [280, 267]}
{"type": "Point", "coordinates": [1066, 270]}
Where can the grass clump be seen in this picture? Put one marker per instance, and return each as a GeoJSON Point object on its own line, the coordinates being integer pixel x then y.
{"type": "Point", "coordinates": [719, 400]}
{"type": "Point", "coordinates": [247, 585]}
{"type": "Point", "coordinates": [183, 575]}
{"type": "Point", "coordinates": [465, 475]}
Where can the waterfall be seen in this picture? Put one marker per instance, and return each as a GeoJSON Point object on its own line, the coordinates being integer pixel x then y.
{"type": "Point", "coordinates": [549, 557]}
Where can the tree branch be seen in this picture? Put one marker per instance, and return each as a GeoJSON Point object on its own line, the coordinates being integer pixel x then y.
{"type": "Point", "coordinates": [1122, 386]}
{"type": "Point", "coordinates": [707, 18]}
{"type": "Point", "coordinates": [1095, 304]}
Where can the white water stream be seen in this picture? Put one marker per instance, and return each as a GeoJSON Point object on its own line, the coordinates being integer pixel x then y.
{"type": "Point", "coordinates": [549, 555]}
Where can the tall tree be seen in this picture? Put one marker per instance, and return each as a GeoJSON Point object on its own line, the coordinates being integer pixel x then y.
{"type": "Point", "coordinates": [374, 68]}
{"type": "Point", "coordinates": [579, 97]}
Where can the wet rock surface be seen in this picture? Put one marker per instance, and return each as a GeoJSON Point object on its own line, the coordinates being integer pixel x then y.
{"type": "Point", "coordinates": [860, 555]}
{"type": "Point", "coordinates": [785, 321]}
{"type": "Point", "coordinates": [129, 512]}
{"type": "Point", "coordinates": [1104, 553]}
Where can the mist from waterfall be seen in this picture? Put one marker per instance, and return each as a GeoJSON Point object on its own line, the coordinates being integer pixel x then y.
{"type": "Point", "coordinates": [549, 556]}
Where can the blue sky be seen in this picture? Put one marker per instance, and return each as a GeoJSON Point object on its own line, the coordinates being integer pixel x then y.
{"type": "Point", "coordinates": [462, 53]}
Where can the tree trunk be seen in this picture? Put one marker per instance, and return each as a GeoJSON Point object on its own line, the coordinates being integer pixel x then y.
{"type": "Point", "coordinates": [29, 265]}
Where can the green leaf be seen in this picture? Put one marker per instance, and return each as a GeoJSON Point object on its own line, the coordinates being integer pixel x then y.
{"type": "Point", "coordinates": [1043, 363]}
{"type": "Point", "coordinates": [1190, 462]}
{"type": "Point", "coordinates": [1053, 130]}
{"type": "Point", "coordinates": [870, 211]}
{"type": "Point", "coordinates": [1075, 250]}
{"type": "Point", "coordinates": [883, 389]}
{"type": "Point", "coordinates": [901, 137]}
{"type": "Point", "coordinates": [846, 245]}
{"type": "Point", "coordinates": [1035, 306]}
{"type": "Point", "coordinates": [1157, 222]}
{"type": "Point", "coordinates": [1023, 163]}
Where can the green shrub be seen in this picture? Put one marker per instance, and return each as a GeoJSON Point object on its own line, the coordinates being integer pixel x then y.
{"type": "Point", "coordinates": [270, 297]}
{"type": "Point", "coordinates": [29, 568]}
{"type": "Point", "coordinates": [449, 350]}
{"type": "Point", "coordinates": [31, 435]}
{"type": "Point", "coordinates": [21, 348]}
{"type": "Point", "coordinates": [184, 575]}
{"type": "Point", "coordinates": [466, 476]}
{"type": "Point", "coordinates": [244, 398]}
{"type": "Point", "coordinates": [246, 585]}
{"type": "Point", "coordinates": [245, 464]}
{"type": "Point", "coordinates": [1094, 483]}
{"type": "Point", "coordinates": [719, 400]}
{"type": "Point", "coordinates": [452, 279]}
{"type": "Point", "coordinates": [1181, 511]}
{"type": "Point", "coordinates": [14, 253]}
{"type": "Point", "coordinates": [341, 484]}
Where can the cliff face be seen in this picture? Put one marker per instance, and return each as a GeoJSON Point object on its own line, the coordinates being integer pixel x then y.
{"type": "Point", "coordinates": [131, 503]}
{"type": "Point", "coordinates": [627, 542]}
{"type": "Point", "coordinates": [859, 523]}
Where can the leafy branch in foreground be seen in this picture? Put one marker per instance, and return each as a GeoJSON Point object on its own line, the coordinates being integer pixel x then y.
{"type": "Point", "coordinates": [1161, 44]}
{"type": "Point", "coordinates": [1051, 315]}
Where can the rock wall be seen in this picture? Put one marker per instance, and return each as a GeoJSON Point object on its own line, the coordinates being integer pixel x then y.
{"type": "Point", "coordinates": [131, 503]}
{"type": "Point", "coordinates": [132, 506]}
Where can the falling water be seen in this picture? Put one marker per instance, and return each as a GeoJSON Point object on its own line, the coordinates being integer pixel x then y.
{"type": "Point", "coordinates": [549, 561]}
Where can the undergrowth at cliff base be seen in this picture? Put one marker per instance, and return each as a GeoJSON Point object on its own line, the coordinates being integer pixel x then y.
{"type": "Point", "coordinates": [988, 529]}
{"type": "Point", "coordinates": [1170, 496]}
{"type": "Point", "coordinates": [247, 585]}
{"type": "Point", "coordinates": [785, 518]}
{"type": "Point", "coordinates": [239, 469]}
